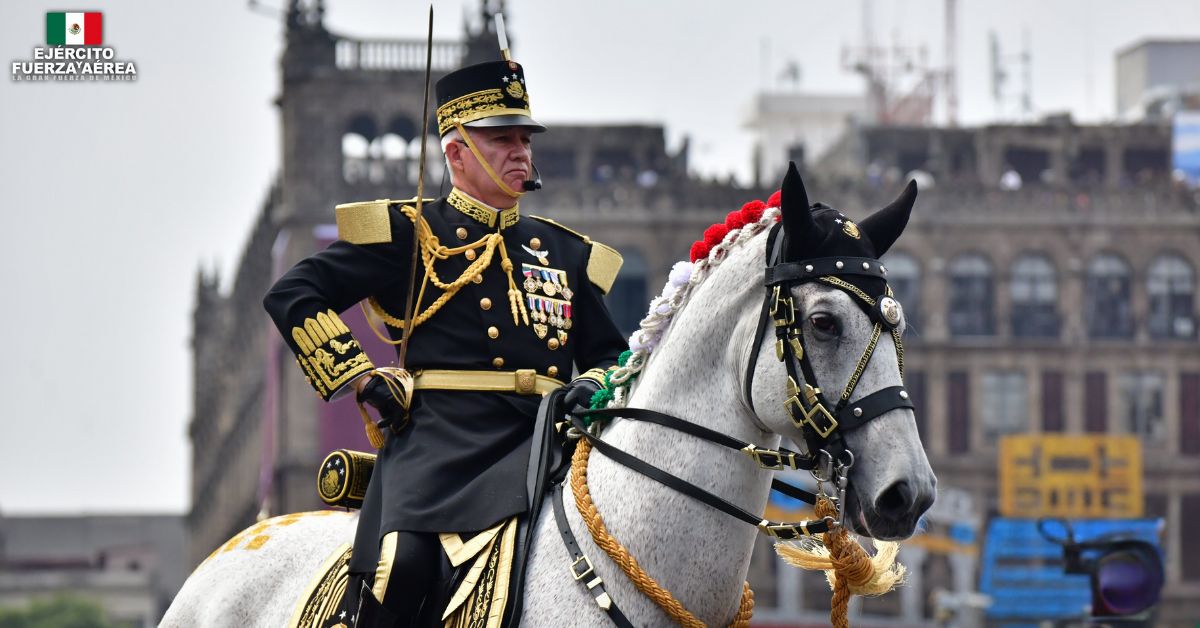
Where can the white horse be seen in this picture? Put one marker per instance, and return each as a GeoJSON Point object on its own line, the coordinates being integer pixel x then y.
{"type": "Point", "coordinates": [692, 352]}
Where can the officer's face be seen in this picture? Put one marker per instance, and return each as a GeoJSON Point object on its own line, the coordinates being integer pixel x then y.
{"type": "Point", "coordinates": [508, 150]}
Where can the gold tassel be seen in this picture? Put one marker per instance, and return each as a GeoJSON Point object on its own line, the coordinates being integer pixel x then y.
{"type": "Point", "coordinates": [374, 434]}
{"type": "Point", "coordinates": [400, 384]}
{"type": "Point", "coordinates": [514, 296]}
{"type": "Point", "coordinates": [812, 555]}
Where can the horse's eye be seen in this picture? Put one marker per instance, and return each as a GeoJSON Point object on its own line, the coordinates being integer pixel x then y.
{"type": "Point", "coordinates": [825, 325]}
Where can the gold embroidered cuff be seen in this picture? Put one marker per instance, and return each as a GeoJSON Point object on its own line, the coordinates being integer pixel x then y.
{"type": "Point", "coordinates": [328, 353]}
{"type": "Point", "coordinates": [596, 375]}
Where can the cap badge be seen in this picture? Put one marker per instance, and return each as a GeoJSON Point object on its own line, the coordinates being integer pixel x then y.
{"type": "Point", "coordinates": [515, 89]}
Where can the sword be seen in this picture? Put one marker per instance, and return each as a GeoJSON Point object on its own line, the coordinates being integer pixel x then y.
{"type": "Point", "coordinates": [412, 273]}
{"type": "Point", "coordinates": [502, 36]}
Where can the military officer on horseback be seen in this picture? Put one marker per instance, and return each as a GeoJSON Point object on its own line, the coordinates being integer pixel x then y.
{"type": "Point", "coordinates": [505, 306]}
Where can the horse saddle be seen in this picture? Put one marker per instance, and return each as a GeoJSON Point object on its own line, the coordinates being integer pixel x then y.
{"type": "Point", "coordinates": [487, 568]}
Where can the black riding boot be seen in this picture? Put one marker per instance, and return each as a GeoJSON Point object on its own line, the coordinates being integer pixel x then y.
{"type": "Point", "coordinates": [372, 614]}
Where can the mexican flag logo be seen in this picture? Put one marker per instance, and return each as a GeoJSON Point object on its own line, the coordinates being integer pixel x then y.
{"type": "Point", "coordinates": [74, 29]}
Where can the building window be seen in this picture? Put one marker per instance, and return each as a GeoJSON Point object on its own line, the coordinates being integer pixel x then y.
{"type": "Point", "coordinates": [1109, 311]}
{"type": "Point", "coordinates": [1005, 403]}
{"type": "Point", "coordinates": [356, 142]}
{"type": "Point", "coordinates": [1189, 542]}
{"type": "Point", "coordinates": [627, 300]}
{"type": "Point", "coordinates": [1053, 415]}
{"type": "Point", "coordinates": [1189, 413]}
{"type": "Point", "coordinates": [1171, 286]}
{"type": "Point", "coordinates": [354, 158]}
{"type": "Point", "coordinates": [959, 403]}
{"type": "Point", "coordinates": [1034, 293]}
{"type": "Point", "coordinates": [904, 276]}
{"type": "Point", "coordinates": [1141, 395]}
{"type": "Point", "coordinates": [971, 296]}
{"type": "Point", "coordinates": [1095, 402]}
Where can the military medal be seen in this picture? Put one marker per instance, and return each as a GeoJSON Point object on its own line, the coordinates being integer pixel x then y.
{"type": "Point", "coordinates": [531, 283]}
{"type": "Point", "coordinates": [541, 330]}
{"type": "Point", "coordinates": [566, 292]}
{"type": "Point", "coordinates": [562, 337]}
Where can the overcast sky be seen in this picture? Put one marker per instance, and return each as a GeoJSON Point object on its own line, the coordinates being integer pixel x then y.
{"type": "Point", "coordinates": [114, 195]}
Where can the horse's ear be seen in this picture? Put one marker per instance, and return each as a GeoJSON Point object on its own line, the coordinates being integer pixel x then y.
{"type": "Point", "coordinates": [798, 223]}
{"type": "Point", "coordinates": [885, 226]}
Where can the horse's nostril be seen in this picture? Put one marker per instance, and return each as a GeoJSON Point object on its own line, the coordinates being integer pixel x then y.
{"type": "Point", "coordinates": [896, 501]}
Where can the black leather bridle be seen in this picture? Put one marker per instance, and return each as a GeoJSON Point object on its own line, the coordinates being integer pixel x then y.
{"type": "Point", "coordinates": [823, 424]}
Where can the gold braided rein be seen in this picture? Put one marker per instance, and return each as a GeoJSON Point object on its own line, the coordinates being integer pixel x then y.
{"type": "Point", "coordinates": [628, 564]}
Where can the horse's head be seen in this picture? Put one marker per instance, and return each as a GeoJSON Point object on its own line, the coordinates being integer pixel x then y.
{"type": "Point", "coordinates": [845, 336]}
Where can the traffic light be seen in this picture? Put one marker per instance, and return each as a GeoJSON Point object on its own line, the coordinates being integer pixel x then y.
{"type": "Point", "coordinates": [1126, 574]}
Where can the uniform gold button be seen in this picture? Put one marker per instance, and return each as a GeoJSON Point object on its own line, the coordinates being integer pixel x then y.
{"type": "Point", "coordinates": [495, 333]}
{"type": "Point", "coordinates": [497, 362]}
{"type": "Point", "coordinates": [461, 232]}
{"type": "Point", "coordinates": [477, 279]}
{"type": "Point", "coordinates": [470, 254]}
{"type": "Point", "coordinates": [535, 244]}
{"type": "Point", "coordinates": [485, 303]}
{"type": "Point", "coordinates": [552, 371]}
{"type": "Point", "coordinates": [552, 343]}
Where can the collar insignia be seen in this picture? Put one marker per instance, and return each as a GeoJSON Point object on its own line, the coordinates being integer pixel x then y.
{"type": "Point", "coordinates": [481, 212]}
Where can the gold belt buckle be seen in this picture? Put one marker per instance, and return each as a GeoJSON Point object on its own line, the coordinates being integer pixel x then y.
{"type": "Point", "coordinates": [526, 381]}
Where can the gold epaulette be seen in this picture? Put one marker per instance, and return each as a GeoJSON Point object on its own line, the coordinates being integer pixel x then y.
{"type": "Point", "coordinates": [367, 222]}
{"type": "Point", "coordinates": [604, 261]}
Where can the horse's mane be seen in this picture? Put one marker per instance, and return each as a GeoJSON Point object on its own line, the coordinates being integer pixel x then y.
{"type": "Point", "coordinates": [707, 254]}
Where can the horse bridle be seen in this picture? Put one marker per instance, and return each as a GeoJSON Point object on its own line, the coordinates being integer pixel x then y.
{"type": "Point", "coordinates": [827, 458]}
{"type": "Point", "coordinates": [806, 404]}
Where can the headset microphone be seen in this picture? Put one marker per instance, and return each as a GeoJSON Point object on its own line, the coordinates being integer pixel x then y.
{"type": "Point", "coordinates": [535, 183]}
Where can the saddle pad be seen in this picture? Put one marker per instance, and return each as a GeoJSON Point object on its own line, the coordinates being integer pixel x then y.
{"type": "Point", "coordinates": [319, 605]}
{"type": "Point", "coordinates": [480, 599]}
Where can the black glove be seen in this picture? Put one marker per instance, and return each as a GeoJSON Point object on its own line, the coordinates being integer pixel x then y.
{"type": "Point", "coordinates": [579, 393]}
{"type": "Point", "coordinates": [379, 396]}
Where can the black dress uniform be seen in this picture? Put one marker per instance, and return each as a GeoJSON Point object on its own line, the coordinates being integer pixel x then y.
{"type": "Point", "coordinates": [459, 464]}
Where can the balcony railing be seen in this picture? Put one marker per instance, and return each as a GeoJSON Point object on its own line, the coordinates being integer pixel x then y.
{"type": "Point", "coordinates": [394, 54]}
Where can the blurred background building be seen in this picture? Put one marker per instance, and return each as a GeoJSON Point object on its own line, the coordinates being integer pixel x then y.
{"type": "Point", "coordinates": [1048, 275]}
{"type": "Point", "coordinates": [131, 565]}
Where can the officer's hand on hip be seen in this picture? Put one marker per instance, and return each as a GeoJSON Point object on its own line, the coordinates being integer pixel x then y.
{"type": "Point", "coordinates": [377, 393]}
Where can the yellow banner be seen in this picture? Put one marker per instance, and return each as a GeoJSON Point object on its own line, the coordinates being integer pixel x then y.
{"type": "Point", "coordinates": [1072, 476]}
